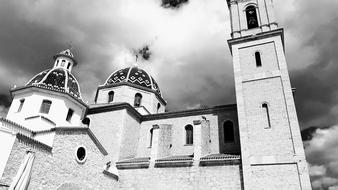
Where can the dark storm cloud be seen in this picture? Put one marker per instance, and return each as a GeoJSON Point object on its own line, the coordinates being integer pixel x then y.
{"type": "Point", "coordinates": [314, 64]}
{"type": "Point", "coordinates": [322, 156]}
{"type": "Point", "coordinates": [173, 3]}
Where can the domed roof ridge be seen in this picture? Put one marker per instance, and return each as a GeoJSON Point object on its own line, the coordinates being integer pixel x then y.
{"type": "Point", "coordinates": [133, 75]}
{"type": "Point", "coordinates": [57, 79]}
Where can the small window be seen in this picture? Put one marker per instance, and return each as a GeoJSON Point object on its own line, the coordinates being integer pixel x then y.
{"type": "Point", "coordinates": [138, 100]}
{"type": "Point", "coordinates": [22, 101]}
{"type": "Point", "coordinates": [81, 154]}
{"type": "Point", "coordinates": [189, 134]}
{"type": "Point", "coordinates": [158, 107]}
{"type": "Point", "coordinates": [63, 63]}
{"type": "Point", "coordinates": [251, 17]}
{"type": "Point", "coordinates": [68, 65]}
{"type": "Point", "coordinates": [69, 115]}
{"type": "Point", "coordinates": [86, 121]}
{"type": "Point", "coordinates": [110, 96]}
{"type": "Point", "coordinates": [228, 132]}
{"type": "Point", "coordinates": [45, 106]}
{"type": "Point", "coordinates": [258, 59]}
{"type": "Point", "coordinates": [265, 106]}
{"type": "Point", "coordinates": [151, 137]}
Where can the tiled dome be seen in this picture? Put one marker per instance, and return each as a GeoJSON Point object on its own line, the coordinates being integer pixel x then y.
{"type": "Point", "coordinates": [57, 79]}
{"type": "Point", "coordinates": [136, 76]}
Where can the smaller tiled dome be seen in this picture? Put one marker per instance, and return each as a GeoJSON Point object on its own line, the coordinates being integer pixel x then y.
{"type": "Point", "coordinates": [57, 79]}
{"type": "Point", "coordinates": [136, 76]}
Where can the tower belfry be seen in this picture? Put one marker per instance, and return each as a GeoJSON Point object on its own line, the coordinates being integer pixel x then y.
{"type": "Point", "coordinates": [271, 147]}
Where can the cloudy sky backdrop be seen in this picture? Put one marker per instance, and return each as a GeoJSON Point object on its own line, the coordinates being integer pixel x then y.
{"type": "Point", "coordinates": [189, 58]}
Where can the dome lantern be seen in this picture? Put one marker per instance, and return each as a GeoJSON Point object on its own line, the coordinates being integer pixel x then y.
{"type": "Point", "coordinates": [65, 59]}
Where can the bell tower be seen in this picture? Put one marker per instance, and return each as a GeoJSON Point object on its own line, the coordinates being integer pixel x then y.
{"type": "Point", "coordinates": [271, 147]}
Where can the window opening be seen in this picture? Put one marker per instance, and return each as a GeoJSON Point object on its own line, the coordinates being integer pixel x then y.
{"type": "Point", "coordinates": [189, 132]}
{"type": "Point", "coordinates": [22, 101]}
{"type": "Point", "coordinates": [110, 96]}
{"type": "Point", "coordinates": [69, 115]}
{"type": "Point", "coordinates": [138, 99]}
{"type": "Point", "coordinates": [258, 59]}
{"type": "Point", "coordinates": [45, 106]}
{"type": "Point", "coordinates": [251, 17]}
{"type": "Point", "coordinates": [228, 131]}
{"type": "Point", "coordinates": [266, 109]}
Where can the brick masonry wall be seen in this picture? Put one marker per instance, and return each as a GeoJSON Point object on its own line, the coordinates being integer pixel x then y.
{"type": "Point", "coordinates": [187, 178]}
{"type": "Point", "coordinates": [179, 146]}
{"type": "Point", "coordinates": [52, 169]}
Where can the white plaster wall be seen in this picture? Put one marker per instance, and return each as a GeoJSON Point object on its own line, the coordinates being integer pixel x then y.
{"type": "Point", "coordinates": [6, 143]}
{"type": "Point", "coordinates": [127, 94]}
{"type": "Point", "coordinates": [57, 113]}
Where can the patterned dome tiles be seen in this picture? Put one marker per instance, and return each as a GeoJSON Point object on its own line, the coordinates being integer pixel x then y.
{"type": "Point", "coordinates": [57, 79]}
{"type": "Point", "coordinates": [133, 75]}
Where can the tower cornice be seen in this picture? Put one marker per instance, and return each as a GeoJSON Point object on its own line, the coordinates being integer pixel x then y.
{"type": "Point", "coordinates": [268, 34]}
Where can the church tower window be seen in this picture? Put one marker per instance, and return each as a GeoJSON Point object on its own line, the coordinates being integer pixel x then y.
{"type": "Point", "coordinates": [151, 137]}
{"type": "Point", "coordinates": [110, 96]}
{"type": "Point", "coordinates": [258, 59]}
{"type": "Point", "coordinates": [251, 17]}
{"type": "Point", "coordinates": [69, 115]}
{"type": "Point", "coordinates": [22, 101]}
{"type": "Point", "coordinates": [45, 106]}
{"type": "Point", "coordinates": [228, 131]}
{"type": "Point", "coordinates": [189, 134]}
{"type": "Point", "coordinates": [265, 106]}
{"type": "Point", "coordinates": [137, 100]}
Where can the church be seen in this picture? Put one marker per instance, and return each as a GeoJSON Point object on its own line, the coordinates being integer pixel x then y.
{"type": "Point", "coordinates": [52, 139]}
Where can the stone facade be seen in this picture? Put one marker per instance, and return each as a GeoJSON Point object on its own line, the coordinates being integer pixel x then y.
{"type": "Point", "coordinates": [129, 142]}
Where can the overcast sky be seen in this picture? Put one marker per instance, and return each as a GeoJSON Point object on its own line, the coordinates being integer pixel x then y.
{"type": "Point", "coordinates": [189, 59]}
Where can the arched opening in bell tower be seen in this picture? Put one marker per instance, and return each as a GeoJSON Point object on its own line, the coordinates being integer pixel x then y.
{"type": "Point", "coordinates": [251, 17]}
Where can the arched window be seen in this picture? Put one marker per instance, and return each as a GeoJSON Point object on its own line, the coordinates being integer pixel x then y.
{"type": "Point", "coordinates": [189, 134]}
{"type": "Point", "coordinates": [251, 17]}
{"type": "Point", "coordinates": [137, 100]}
{"type": "Point", "coordinates": [63, 63]}
{"type": "Point", "coordinates": [265, 106]}
{"type": "Point", "coordinates": [110, 96]}
{"type": "Point", "coordinates": [69, 115]}
{"type": "Point", "coordinates": [68, 65]}
{"type": "Point", "coordinates": [151, 137]}
{"type": "Point", "coordinates": [45, 106]}
{"type": "Point", "coordinates": [22, 101]}
{"type": "Point", "coordinates": [228, 131]}
{"type": "Point", "coordinates": [258, 59]}
{"type": "Point", "coordinates": [158, 107]}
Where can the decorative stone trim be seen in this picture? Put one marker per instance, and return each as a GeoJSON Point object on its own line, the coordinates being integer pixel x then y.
{"type": "Point", "coordinates": [42, 117]}
{"type": "Point", "coordinates": [106, 172]}
{"type": "Point", "coordinates": [33, 142]}
{"type": "Point", "coordinates": [16, 125]}
{"type": "Point", "coordinates": [34, 86]}
{"type": "Point", "coordinates": [220, 159]}
{"type": "Point", "coordinates": [277, 32]}
{"type": "Point", "coordinates": [204, 111]}
{"type": "Point", "coordinates": [175, 161]}
{"type": "Point", "coordinates": [133, 163]}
